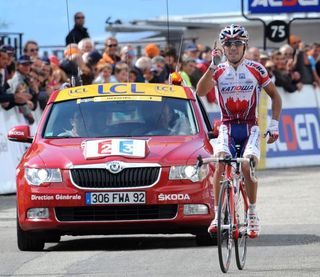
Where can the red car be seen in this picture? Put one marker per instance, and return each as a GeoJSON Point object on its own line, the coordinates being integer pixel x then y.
{"type": "Point", "coordinates": [115, 159]}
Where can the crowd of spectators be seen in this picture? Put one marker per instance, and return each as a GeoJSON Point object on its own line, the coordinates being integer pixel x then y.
{"type": "Point", "coordinates": [27, 81]}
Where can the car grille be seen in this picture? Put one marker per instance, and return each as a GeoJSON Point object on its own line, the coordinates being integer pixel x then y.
{"type": "Point", "coordinates": [102, 178]}
{"type": "Point", "coordinates": [114, 213]}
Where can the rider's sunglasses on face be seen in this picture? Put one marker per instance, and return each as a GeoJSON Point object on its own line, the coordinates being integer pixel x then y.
{"type": "Point", "coordinates": [112, 45]}
{"type": "Point", "coordinates": [236, 43]}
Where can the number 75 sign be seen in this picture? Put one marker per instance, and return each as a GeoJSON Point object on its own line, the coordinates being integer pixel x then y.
{"type": "Point", "coordinates": [277, 31]}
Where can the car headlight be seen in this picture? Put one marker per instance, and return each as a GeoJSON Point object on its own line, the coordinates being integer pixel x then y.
{"type": "Point", "coordinates": [189, 172]}
{"type": "Point", "coordinates": [37, 176]}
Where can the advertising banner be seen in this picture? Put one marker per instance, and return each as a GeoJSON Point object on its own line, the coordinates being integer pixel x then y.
{"type": "Point", "coordinates": [283, 6]}
{"type": "Point", "coordinates": [299, 130]}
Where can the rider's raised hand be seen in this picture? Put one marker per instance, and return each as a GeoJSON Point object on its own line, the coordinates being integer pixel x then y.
{"type": "Point", "coordinates": [272, 131]}
{"type": "Point", "coordinates": [216, 54]}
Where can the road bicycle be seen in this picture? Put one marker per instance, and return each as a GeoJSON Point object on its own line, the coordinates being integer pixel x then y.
{"type": "Point", "coordinates": [232, 210]}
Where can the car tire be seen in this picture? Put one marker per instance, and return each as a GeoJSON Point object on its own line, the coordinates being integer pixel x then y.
{"type": "Point", "coordinates": [52, 237]}
{"type": "Point", "coordinates": [28, 241]}
{"type": "Point", "coordinates": [205, 239]}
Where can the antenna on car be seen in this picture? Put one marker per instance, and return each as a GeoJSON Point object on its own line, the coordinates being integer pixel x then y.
{"type": "Point", "coordinates": [75, 80]}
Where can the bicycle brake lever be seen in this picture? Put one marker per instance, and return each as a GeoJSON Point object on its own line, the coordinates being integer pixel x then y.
{"type": "Point", "coordinates": [200, 161]}
{"type": "Point", "coordinates": [268, 133]}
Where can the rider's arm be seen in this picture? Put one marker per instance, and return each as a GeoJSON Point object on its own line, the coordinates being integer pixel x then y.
{"type": "Point", "coordinates": [205, 84]}
{"type": "Point", "coordinates": [272, 91]}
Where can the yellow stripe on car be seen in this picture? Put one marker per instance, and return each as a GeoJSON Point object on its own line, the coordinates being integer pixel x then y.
{"type": "Point", "coordinates": [121, 89]}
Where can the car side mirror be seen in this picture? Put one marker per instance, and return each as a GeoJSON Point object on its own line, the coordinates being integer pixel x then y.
{"type": "Point", "coordinates": [20, 133]}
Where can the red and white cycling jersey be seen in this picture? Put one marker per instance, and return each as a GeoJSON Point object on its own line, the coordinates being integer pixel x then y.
{"type": "Point", "coordinates": [239, 90]}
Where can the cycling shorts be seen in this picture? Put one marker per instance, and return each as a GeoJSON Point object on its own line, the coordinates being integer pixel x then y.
{"type": "Point", "coordinates": [245, 135]}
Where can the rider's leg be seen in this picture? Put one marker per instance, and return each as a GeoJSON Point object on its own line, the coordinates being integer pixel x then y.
{"type": "Point", "coordinates": [221, 149]}
{"type": "Point", "coordinates": [252, 149]}
{"type": "Point", "coordinates": [251, 185]}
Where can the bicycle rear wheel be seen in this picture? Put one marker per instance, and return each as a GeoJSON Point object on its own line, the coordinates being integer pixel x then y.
{"type": "Point", "coordinates": [241, 242]}
{"type": "Point", "coordinates": [224, 232]}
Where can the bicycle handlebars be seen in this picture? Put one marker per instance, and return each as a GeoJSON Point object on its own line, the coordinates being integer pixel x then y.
{"type": "Point", "coordinates": [229, 160]}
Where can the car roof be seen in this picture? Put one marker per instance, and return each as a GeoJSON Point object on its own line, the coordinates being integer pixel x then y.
{"type": "Point", "coordinates": [122, 89]}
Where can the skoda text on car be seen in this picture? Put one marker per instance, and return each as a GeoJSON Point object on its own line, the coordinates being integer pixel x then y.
{"type": "Point", "coordinates": [115, 159]}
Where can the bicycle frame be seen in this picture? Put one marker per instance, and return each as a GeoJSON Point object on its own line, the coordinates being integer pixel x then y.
{"type": "Point", "coordinates": [235, 184]}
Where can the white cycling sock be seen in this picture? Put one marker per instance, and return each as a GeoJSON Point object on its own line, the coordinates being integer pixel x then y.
{"type": "Point", "coordinates": [252, 208]}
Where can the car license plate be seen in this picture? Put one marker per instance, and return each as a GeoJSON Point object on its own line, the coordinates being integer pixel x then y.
{"type": "Point", "coordinates": [129, 197]}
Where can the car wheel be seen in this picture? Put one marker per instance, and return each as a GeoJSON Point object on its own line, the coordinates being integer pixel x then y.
{"type": "Point", "coordinates": [52, 237]}
{"type": "Point", "coordinates": [205, 239]}
{"type": "Point", "coordinates": [28, 241]}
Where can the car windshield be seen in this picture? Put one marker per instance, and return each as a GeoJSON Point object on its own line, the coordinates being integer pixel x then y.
{"type": "Point", "coordinates": [100, 117]}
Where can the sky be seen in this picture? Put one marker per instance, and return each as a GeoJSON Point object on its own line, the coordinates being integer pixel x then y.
{"type": "Point", "coordinates": [45, 21]}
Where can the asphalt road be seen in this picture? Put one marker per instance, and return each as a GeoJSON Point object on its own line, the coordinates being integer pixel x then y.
{"type": "Point", "coordinates": [288, 246]}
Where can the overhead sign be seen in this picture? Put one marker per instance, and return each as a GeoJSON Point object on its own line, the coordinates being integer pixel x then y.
{"type": "Point", "coordinates": [277, 31]}
{"type": "Point", "coordinates": [283, 6]}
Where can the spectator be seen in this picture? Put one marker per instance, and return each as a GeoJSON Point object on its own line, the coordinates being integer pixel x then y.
{"type": "Point", "coordinates": [158, 69]}
{"type": "Point", "coordinates": [282, 76]}
{"type": "Point", "coordinates": [110, 52]}
{"type": "Point", "coordinates": [121, 73]}
{"type": "Point", "coordinates": [143, 68]}
{"type": "Point", "coordinates": [264, 58]}
{"type": "Point", "coordinates": [21, 77]}
{"type": "Point", "coordinates": [132, 76]}
{"type": "Point", "coordinates": [78, 32]}
{"type": "Point", "coordinates": [31, 49]}
{"type": "Point", "coordinates": [188, 67]}
{"type": "Point", "coordinates": [313, 56]}
{"type": "Point", "coordinates": [253, 53]}
{"type": "Point", "coordinates": [151, 50]}
{"type": "Point", "coordinates": [127, 55]}
{"type": "Point", "coordinates": [294, 42]}
{"type": "Point", "coordinates": [303, 66]}
{"type": "Point", "coordinates": [86, 45]}
{"type": "Point", "coordinates": [74, 66]}
{"type": "Point", "coordinates": [170, 55]}
{"type": "Point", "coordinates": [191, 51]}
{"type": "Point", "coordinates": [22, 90]}
{"type": "Point", "coordinates": [7, 99]}
{"type": "Point", "coordinates": [11, 66]}
{"type": "Point", "coordinates": [55, 81]}
{"type": "Point", "coordinates": [104, 73]}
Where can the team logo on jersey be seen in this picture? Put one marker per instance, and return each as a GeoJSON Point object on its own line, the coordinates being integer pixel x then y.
{"type": "Point", "coordinates": [237, 105]}
{"type": "Point", "coordinates": [242, 76]}
{"type": "Point", "coordinates": [244, 88]}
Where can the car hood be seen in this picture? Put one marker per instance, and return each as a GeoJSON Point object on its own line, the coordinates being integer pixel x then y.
{"type": "Point", "coordinates": [63, 153]}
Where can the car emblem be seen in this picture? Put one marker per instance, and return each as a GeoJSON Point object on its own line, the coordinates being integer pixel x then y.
{"type": "Point", "coordinates": [114, 167]}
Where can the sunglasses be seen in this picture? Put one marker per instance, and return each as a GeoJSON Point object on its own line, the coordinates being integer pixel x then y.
{"type": "Point", "coordinates": [112, 45]}
{"type": "Point", "coordinates": [80, 17]}
{"type": "Point", "coordinates": [236, 43]}
{"type": "Point", "coordinates": [34, 50]}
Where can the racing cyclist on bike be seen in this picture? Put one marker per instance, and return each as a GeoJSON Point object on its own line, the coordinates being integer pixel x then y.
{"type": "Point", "coordinates": [239, 82]}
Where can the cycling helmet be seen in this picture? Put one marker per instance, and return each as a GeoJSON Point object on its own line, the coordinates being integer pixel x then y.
{"type": "Point", "coordinates": [235, 32]}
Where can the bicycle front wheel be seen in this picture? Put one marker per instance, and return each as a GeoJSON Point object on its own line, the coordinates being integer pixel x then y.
{"type": "Point", "coordinates": [241, 241]}
{"type": "Point", "coordinates": [224, 232]}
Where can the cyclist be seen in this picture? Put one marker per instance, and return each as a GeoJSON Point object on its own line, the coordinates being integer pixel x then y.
{"type": "Point", "coordinates": [239, 82]}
